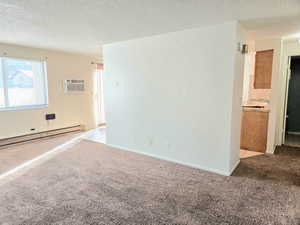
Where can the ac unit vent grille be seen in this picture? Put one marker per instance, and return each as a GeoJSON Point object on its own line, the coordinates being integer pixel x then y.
{"type": "Point", "coordinates": [74, 86]}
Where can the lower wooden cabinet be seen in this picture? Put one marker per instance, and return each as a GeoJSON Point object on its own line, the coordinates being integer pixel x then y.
{"type": "Point", "coordinates": [254, 131]}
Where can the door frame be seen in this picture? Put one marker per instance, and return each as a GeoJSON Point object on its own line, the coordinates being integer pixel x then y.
{"type": "Point", "coordinates": [286, 95]}
{"type": "Point", "coordinates": [98, 98]}
{"type": "Point", "coordinates": [287, 77]}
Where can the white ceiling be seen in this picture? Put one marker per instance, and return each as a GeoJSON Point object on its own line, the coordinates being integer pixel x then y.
{"type": "Point", "coordinates": [85, 25]}
{"type": "Point", "coordinates": [287, 27]}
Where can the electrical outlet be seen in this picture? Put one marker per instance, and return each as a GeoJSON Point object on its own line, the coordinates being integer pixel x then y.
{"type": "Point", "coordinates": [51, 116]}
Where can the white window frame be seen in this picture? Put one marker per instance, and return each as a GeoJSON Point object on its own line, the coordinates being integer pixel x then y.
{"type": "Point", "coordinates": [4, 81]}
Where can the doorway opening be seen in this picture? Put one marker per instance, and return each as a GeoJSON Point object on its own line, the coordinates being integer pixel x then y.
{"type": "Point", "coordinates": [258, 69]}
{"type": "Point", "coordinates": [99, 133]}
{"type": "Point", "coordinates": [100, 110]}
{"type": "Point", "coordinates": [292, 105]}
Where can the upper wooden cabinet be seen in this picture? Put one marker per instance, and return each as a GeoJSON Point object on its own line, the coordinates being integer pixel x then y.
{"type": "Point", "coordinates": [263, 69]}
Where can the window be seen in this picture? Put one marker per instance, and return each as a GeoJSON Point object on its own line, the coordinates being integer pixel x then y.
{"type": "Point", "coordinates": [23, 83]}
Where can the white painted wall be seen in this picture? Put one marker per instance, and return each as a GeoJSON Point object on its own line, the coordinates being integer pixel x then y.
{"type": "Point", "coordinates": [175, 96]}
{"type": "Point", "coordinates": [71, 109]}
{"type": "Point", "coordinates": [275, 44]}
{"type": "Point", "coordinates": [288, 49]}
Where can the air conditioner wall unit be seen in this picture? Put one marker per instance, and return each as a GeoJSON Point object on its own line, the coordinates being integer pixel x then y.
{"type": "Point", "coordinates": [71, 86]}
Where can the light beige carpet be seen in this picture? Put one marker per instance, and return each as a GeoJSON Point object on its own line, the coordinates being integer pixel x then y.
{"type": "Point", "coordinates": [13, 156]}
{"type": "Point", "coordinates": [92, 184]}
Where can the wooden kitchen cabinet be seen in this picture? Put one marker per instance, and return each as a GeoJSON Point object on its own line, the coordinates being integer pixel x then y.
{"type": "Point", "coordinates": [263, 69]}
{"type": "Point", "coordinates": [254, 131]}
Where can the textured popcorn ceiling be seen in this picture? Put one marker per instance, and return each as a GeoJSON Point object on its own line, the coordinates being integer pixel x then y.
{"type": "Point", "coordinates": [85, 25]}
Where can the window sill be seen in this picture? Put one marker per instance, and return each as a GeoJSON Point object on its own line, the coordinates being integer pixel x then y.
{"type": "Point", "coordinates": [23, 107]}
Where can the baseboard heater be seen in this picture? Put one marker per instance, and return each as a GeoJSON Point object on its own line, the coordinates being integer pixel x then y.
{"type": "Point", "coordinates": [40, 135]}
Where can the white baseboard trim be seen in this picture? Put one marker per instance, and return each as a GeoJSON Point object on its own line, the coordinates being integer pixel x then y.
{"type": "Point", "coordinates": [173, 160]}
{"type": "Point", "coordinates": [271, 150]}
{"type": "Point", "coordinates": [234, 167]}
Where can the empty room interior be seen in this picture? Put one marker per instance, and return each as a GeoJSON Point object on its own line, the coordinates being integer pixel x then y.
{"type": "Point", "coordinates": [145, 112]}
